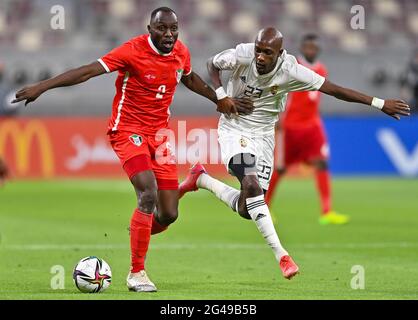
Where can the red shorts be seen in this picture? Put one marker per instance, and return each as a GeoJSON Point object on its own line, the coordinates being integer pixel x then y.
{"type": "Point", "coordinates": [303, 144]}
{"type": "Point", "coordinates": [138, 152]}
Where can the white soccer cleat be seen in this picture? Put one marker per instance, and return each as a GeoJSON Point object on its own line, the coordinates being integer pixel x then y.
{"type": "Point", "coordinates": [139, 282]}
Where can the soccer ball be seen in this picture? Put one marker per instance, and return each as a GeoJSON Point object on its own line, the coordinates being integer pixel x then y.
{"type": "Point", "coordinates": [92, 275]}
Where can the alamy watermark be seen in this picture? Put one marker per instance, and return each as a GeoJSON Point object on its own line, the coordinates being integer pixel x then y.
{"type": "Point", "coordinates": [58, 277]}
{"type": "Point", "coordinates": [358, 20]}
{"type": "Point", "coordinates": [358, 281]}
{"type": "Point", "coordinates": [57, 21]}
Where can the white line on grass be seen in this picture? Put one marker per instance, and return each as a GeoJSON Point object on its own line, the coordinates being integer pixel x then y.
{"type": "Point", "coordinates": [223, 246]}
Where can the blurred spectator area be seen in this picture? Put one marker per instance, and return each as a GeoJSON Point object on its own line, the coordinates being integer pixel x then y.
{"type": "Point", "coordinates": [372, 59]}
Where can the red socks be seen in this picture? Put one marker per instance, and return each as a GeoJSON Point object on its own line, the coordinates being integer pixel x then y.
{"type": "Point", "coordinates": [142, 226]}
{"type": "Point", "coordinates": [275, 178]}
{"type": "Point", "coordinates": [140, 233]}
{"type": "Point", "coordinates": [156, 227]}
{"type": "Point", "coordinates": [323, 183]}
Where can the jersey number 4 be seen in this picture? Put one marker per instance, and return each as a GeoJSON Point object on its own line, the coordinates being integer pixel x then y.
{"type": "Point", "coordinates": [161, 91]}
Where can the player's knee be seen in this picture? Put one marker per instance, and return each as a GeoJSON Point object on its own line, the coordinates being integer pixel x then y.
{"type": "Point", "coordinates": [244, 214]}
{"type": "Point", "coordinates": [251, 186]}
{"type": "Point", "coordinates": [168, 217]}
{"type": "Point", "coordinates": [147, 200]}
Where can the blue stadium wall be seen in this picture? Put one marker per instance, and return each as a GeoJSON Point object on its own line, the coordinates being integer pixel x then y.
{"type": "Point", "coordinates": [373, 146]}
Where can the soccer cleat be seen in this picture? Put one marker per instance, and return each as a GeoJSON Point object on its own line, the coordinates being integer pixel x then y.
{"type": "Point", "coordinates": [189, 184]}
{"type": "Point", "coordinates": [139, 282]}
{"type": "Point", "coordinates": [332, 217]}
{"type": "Point", "coordinates": [289, 267]}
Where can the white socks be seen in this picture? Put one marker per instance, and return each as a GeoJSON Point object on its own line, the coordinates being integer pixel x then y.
{"type": "Point", "coordinates": [260, 214]}
{"type": "Point", "coordinates": [222, 191]}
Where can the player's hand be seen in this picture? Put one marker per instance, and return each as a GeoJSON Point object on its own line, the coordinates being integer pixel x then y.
{"type": "Point", "coordinates": [396, 108]}
{"type": "Point", "coordinates": [227, 106]}
{"type": "Point", "coordinates": [4, 172]}
{"type": "Point", "coordinates": [244, 106]}
{"type": "Point", "coordinates": [28, 94]}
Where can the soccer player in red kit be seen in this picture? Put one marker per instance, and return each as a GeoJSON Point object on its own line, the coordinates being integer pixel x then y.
{"type": "Point", "coordinates": [304, 138]}
{"type": "Point", "coordinates": [149, 68]}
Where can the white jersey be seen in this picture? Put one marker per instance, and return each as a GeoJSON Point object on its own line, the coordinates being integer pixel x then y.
{"type": "Point", "coordinates": [268, 91]}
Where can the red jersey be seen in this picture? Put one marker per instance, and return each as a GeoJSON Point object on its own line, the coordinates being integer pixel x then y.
{"type": "Point", "coordinates": [146, 82]}
{"type": "Point", "coordinates": [303, 107]}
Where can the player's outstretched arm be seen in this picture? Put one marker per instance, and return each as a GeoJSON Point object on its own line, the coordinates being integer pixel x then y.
{"type": "Point", "coordinates": [393, 108]}
{"type": "Point", "coordinates": [196, 84]}
{"type": "Point", "coordinates": [68, 78]}
{"type": "Point", "coordinates": [226, 104]}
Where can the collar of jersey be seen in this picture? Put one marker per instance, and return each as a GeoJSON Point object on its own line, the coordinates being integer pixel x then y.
{"type": "Point", "coordinates": [276, 67]}
{"type": "Point", "coordinates": [151, 44]}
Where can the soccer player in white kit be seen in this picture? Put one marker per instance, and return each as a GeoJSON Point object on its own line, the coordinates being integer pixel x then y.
{"type": "Point", "coordinates": [265, 73]}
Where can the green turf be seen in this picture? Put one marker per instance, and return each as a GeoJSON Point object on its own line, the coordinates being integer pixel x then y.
{"type": "Point", "coordinates": [211, 253]}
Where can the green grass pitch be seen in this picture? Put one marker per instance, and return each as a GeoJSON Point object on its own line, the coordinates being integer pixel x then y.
{"type": "Point", "coordinates": [211, 253]}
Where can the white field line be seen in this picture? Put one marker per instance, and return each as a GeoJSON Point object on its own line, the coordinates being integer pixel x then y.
{"type": "Point", "coordinates": [223, 246]}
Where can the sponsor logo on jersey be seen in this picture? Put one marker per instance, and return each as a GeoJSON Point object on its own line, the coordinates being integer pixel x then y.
{"type": "Point", "coordinates": [149, 77]}
{"type": "Point", "coordinates": [179, 74]}
{"type": "Point", "coordinates": [136, 139]}
{"type": "Point", "coordinates": [274, 89]}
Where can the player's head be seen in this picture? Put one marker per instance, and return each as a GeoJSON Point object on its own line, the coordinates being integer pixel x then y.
{"type": "Point", "coordinates": [268, 48]}
{"type": "Point", "coordinates": [163, 29]}
{"type": "Point", "coordinates": [309, 47]}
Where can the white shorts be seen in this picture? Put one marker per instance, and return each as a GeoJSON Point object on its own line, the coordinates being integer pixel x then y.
{"type": "Point", "coordinates": [233, 142]}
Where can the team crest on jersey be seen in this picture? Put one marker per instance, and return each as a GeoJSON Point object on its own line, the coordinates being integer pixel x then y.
{"type": "Point", "coordinates": [136, 139]}
{"type": "Point", "coordinates": [274, 89]}
{"type": "Point", "coordinates": [179, 74]}
{"type": "Point", "coordinates": [243, 79]}
{"type": "Point", "coordinates": [243, 142]}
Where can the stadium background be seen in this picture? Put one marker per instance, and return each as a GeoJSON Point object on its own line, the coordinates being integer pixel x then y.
{"type": "Point", "coordinates": [62, 134]}
{"type": "Point", "coordinates": [375, 60]}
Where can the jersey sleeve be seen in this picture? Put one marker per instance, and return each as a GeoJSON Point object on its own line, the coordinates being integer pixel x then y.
{"type": "Point", "coordinates": [225, 60]}
{"type": "Point", "coordinates": [118, 58]}
{"type": "Point", "coordinates": [302, 78]}
{"type": "Point", "coordinates": [231, 58]}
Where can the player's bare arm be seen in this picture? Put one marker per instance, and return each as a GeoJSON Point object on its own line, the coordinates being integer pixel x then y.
{"type": "Point", "coordinates": [196, 84]}
{"type": "Point", "coordinates": [226, 104]}
{"type": "Point", "coordinates": [393, 108]}
{"type": "Point", "coordinates": [68, 78]}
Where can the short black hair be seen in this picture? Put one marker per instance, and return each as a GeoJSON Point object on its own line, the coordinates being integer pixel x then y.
{"type": "Point", "coordinates": [310, 37]}
{"type": "Point", "coordinates": [162, 9]}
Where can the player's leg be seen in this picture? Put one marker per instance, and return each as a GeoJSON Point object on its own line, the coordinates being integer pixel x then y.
{"type": "Point", "coordinates": [323, 185]}
{"type": "Point", "coordinates": [165, 170]}
{"type": "Point", "coordinates": [132, 150]}
{"type": "Point", "coordinates": [251, 205]}
{"type": "Point", "coordinates": [167, 210]}
{"type": "Point", "coordinates": [274, 182]}
{"type": "Point", "coordinates": [145, 186]}
{"type": "Point", "coordinates": [248, 202]}
{"type": "Point", "coordinates": [316, 153]}
{"type": "Point", "coordinates": [280, 164]}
